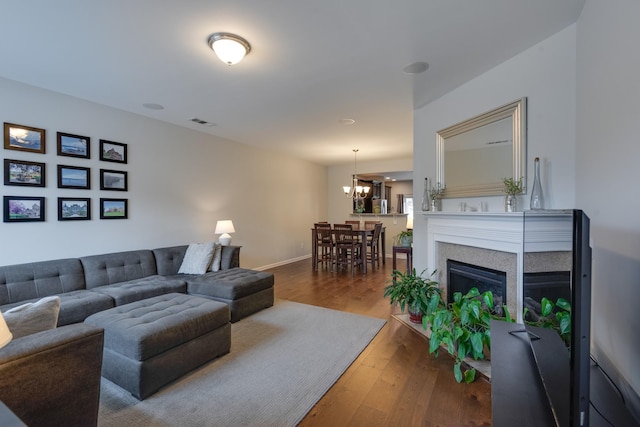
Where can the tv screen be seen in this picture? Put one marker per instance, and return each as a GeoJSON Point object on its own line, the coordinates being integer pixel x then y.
{"type": "Point", "coordinates": [563, 359]}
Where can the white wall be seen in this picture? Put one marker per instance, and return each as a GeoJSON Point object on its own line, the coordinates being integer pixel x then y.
{"type": "Point", "coordinates": [180, 183]}
{"type": "Point", "coordinates": [607, 177]}
{"type": "Point", "coordinates": [545, 74]}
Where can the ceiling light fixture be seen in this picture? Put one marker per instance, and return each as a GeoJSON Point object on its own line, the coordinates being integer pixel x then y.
{"type": "Point", "coordinates": [230, 48]}
{"type": "Point", "coordinates": [355, 191]}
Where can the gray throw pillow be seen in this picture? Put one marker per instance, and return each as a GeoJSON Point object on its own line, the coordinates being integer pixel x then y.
{"type": "Point", "coordinates": [197, 258]}
{"type": "Point", "coordinates": [33, 317]}
{"type": "Point", "coordinates": [217, 258]}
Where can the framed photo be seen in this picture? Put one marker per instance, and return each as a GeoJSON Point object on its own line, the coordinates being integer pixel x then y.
{"type": "Point", "coordinates": [74, 209]}
{"type": "Point", "coordinates": [113, 151]}
{"type": "Point", "coordinates": [74, 177]}
{"type": "Point", "coordinates": [23, 209]}
{"type": "Point", "coordinates": [20, 172]}
{"type": "Point", "coordinates": [24, 138]}
{"type": "Point", "coordinates": [114, 208]}
{"type": "Point", "coordinates": [113, 180]}
{"type": "Point", "coordinates": [74, 145]}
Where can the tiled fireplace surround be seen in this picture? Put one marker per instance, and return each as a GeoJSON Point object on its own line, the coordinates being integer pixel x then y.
{"type": "Point", "coordinates": [497, 240]}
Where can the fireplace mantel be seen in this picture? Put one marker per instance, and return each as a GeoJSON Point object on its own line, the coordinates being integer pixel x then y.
{"type": "Point", "coordinates": [546, 231]}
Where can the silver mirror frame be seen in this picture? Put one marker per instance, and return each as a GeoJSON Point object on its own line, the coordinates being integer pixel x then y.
{"type": "Point", "coordinates": [517, 111]}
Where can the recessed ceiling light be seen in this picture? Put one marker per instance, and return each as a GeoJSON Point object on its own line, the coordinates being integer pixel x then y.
{"type": "Point", "coordinates": [153, 106]}
{"type": "Point", "coordinates": [347, 121]}
{"type": "Point", "coordinates": [416, 68]}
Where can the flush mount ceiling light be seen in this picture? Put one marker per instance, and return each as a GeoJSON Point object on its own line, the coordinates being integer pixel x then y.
{"type": "Point", "coordinates": [230, 48]}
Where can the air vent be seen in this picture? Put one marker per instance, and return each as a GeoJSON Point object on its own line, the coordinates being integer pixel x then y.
{"type": "Point", "coordinates": [202, 122]}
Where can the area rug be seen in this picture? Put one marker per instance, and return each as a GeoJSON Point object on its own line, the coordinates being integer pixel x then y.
{"type": "Point", "coordinates": [282, 361]}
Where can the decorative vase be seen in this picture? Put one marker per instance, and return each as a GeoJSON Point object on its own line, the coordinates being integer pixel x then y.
{"type": "Point", "coordinates": [415, 316]}
{"type": "Point", "coordinates": [537, 198]}
{"type": "Point", "coordinates": [510, 203]}
{"type": "Point", "coordinates": [435, 205]}
{"type": "Point", "coordinates": [425, 195]}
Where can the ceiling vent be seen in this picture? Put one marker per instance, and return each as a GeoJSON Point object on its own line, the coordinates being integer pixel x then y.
{"type": "Point", "coordinates": [202, 122]}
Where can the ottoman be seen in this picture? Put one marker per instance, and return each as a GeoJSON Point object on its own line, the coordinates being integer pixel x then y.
{"type": "Point", "coordinates": [149, 343]}
{"type": "Point", "coordinates": [245, 291]}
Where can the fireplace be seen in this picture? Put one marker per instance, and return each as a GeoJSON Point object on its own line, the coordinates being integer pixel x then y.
{"type": "Point", "coordinates": [462, 277]}
{"type": "Point", "coordinates": [550, 284]}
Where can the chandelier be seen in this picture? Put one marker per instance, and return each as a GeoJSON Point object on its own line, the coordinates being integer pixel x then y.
{"type": "Point", "coordinates": [355, 191]}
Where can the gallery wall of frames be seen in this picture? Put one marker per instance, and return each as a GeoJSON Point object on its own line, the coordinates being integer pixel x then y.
{"type": "Point", "coordinates": [20, 173]}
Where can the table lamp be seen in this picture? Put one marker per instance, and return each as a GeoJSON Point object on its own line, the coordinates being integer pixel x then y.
{"type": "Point", "coordinates": [5, 333]}
{"type": "Point", "coordinates": [224, 227]}
{"type": "Point", "coordinates": [409, 222]}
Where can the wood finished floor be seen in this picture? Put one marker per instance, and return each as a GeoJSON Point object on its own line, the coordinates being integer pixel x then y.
{"type": "Point", "coordinates": [395, 381]}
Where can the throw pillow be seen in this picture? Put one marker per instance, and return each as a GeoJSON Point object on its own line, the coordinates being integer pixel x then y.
{"type": "Point", "coordinates": [217, 258]}
{"type": "Point", "coordinates": [197, 258]}
{"type": "Point", "coordinates": [33, 317]}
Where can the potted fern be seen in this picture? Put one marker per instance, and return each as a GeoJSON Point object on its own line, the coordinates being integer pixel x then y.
{"type": "Point", "coordinates": [412, 291]}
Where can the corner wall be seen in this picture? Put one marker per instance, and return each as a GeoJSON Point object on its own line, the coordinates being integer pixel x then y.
{"type": "Point", "coordinates": [180, 183]}
{"type": "Point", "coordinates": [607, 177]}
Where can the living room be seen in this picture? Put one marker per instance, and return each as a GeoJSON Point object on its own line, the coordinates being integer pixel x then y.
{"type": "Point", "coordinates": [582, 121]}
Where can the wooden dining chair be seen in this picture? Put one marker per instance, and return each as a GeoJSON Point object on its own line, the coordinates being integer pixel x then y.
{"type": "Point", "coordinates": [371, 224]}
{"type": "Point", "coordinates": [373, 246]}
{"type": "Point", "coordinates": [347, 247]}
{"type": "Point", "coordinates": [356, 223]}
{"type": "Point", "coordinates": [324, 245]}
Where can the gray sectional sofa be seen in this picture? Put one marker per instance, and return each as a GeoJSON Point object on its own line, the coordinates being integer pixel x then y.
{"type": "Point", "coordinates": [53, 377]}
{"type": "Point", "coordinates": [91, 284]}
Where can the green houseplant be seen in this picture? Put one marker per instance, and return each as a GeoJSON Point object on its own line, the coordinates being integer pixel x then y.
{"type": "Point", "coordinates": [404, 238]}
{"type": "Point", "coordinates": [512, 188]}
{"type": "Point", "coordinates": [413, 291]}
{"type": "Point", "coordinates": [462, 328]}
{"type": "Point", "coordinates": [554, 316]}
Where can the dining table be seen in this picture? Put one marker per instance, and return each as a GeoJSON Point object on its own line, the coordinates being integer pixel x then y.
{"type": "Point", "coordinates": [364, 231]}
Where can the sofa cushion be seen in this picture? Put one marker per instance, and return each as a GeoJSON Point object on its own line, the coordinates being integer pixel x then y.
{"type": "Point", "coordinates": [197, 259]}
{"type": "Point", "coordinates": [136, 290]}
{"type": "Point", "coordinates": [216, 258]}
{"type": "Point", "coordinates": [75, 306]}
{"type": "Point", "coordinates": [229, 284]}
{"type": "Point", "coordinates": [33, 317]}
{"type": "Point", "coordinates": [32, 281]}
{"type": "Point", "coordinates": [118, 267]}
{"type": "Point", "coordinates": [169, 259]}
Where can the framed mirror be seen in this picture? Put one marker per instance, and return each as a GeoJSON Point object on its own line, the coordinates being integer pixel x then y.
{"type": "Point", "coordinates": [473, 156]}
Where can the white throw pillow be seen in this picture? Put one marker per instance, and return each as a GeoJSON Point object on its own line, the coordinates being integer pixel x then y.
{"type": "Point", "coordinates": [33, 317]}
{"type": "Point", "coordinates": [217, 258]}
{"type": "Point", "coordinates": [197, 258]}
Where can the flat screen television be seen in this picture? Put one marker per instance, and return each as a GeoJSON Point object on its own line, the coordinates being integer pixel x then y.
{"type": "Point", "coordinates": [565, 371]}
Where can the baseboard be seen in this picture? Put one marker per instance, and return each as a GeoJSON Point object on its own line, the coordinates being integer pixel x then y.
{"type": "Point", "coordinates": [280, 263]}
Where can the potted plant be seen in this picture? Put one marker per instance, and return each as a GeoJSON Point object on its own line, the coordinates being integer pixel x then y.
{"type": "Point", "coordinates": [512, 188]}
{"type": "Point", "coordinates": [405, 238]}
{"type": "Point", "coordinates": [462, 328]}
{"type": "Point", "coordinates": [435, 194]}
{"type": "Point", "coordinates": [413, 291]}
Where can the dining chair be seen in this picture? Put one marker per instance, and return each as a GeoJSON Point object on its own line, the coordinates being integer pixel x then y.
{"type": "Point", "coordinates": [324, 245]}
{"type": "Point", "coordinates": [373, 246]}
{"type": "Point", "coordinates": [356, 223]}
{"type": "Point", "coordinates": [347, 247]}
{"type": "Point", "coordinates": [371, 224]}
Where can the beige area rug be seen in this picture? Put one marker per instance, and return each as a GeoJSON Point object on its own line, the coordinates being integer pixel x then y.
{"type": "Point", "coordinates": [282, 361]}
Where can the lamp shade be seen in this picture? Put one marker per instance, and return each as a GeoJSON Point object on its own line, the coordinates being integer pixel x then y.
{"type": "Point", "coordinates": [230, 48]}
{"type": "Point", "coordinates": [409, 222]}
{"type": "Point", "coordinates": [5, 333]}
{"type": "Point", "coordinates": [224, 227]}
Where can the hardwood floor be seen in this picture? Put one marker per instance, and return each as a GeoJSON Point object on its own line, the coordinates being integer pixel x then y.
{"type": "Point", "coordinates": [395, 381]}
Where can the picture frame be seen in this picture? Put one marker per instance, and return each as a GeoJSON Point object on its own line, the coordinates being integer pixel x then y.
{"type": "Point", "coordinates": [74, 208]}
{"type": "Point", "coordinates": [74, 145]}
{"type": "Point", "coordinates": [114, 208]}
{"type": "Point", "coordinates": [113, 180]}
{"type": "Point", "coordinates": [111, 151]}
{"type": "Point", "coordinates": [74, 177]}
{"type": "Point", "coordinates": [23, 209]}
{"type": "Point", "coordinates": [24, 173]}
{"type": "Point", "coordinates": [24, 138]}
